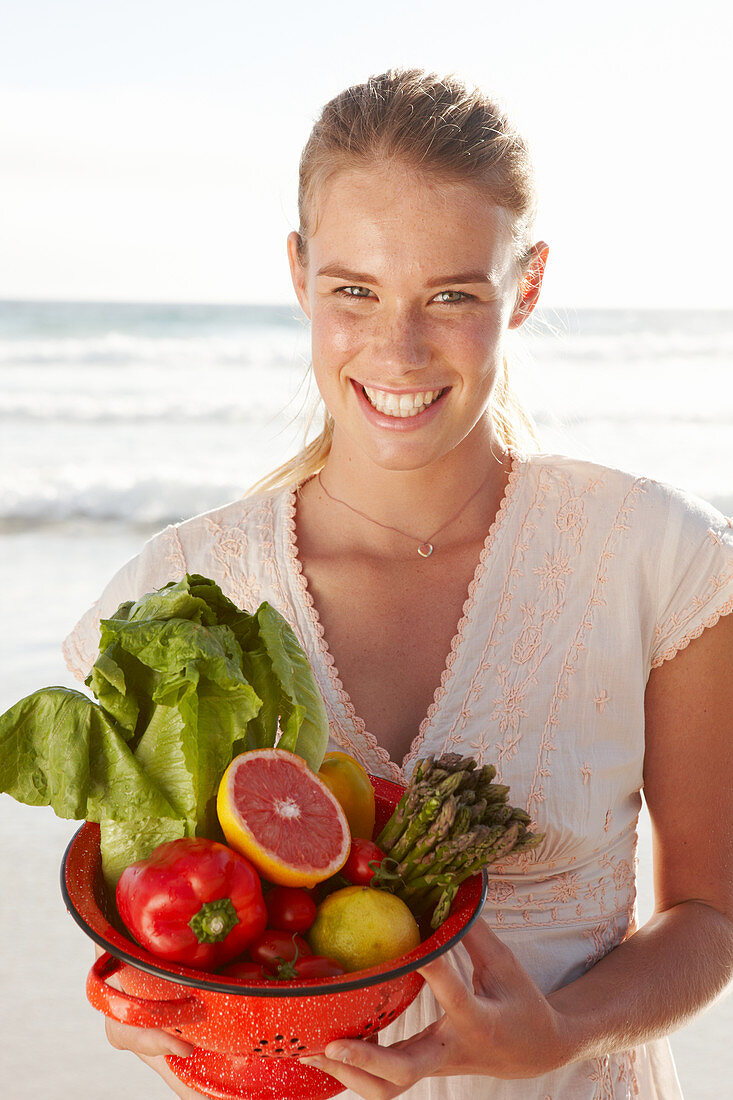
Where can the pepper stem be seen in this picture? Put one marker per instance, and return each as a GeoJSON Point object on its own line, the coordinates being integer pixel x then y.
{"type": "Point", "coordinates": [214, 920]}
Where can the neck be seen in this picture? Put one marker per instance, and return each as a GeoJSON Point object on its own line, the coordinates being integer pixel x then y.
{"type": "Point", "coordinates": [417, 502]}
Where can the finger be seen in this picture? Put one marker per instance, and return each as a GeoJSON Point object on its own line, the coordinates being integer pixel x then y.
{"type": "Point", "coordinates": [401, 1065]}
{"type": "Point", "coordinates": [484, 947]}
{"type": "Point", "coordinates": [496, 969]}
{"type": "Point", "coordinates": [363, 1084]}
{"type": "Point", "coordinates": [449, 988]}
{"type": "Point", "coordinates": [145, 1040]}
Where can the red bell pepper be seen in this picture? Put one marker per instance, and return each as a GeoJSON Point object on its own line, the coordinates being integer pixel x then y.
{"type": "Point", "coordinates": [193, 901]}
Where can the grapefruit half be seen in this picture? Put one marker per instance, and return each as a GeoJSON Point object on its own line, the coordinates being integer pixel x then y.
{"type": "Point", "coordinates": [281, 816]}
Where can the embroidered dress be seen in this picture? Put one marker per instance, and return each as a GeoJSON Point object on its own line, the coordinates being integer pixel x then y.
{"type": "Point", "coordinates": [588, 579]}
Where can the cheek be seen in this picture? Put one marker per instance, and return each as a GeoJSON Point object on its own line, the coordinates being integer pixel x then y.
{"type": "Point", "coordinates": [477, 346]}
{"type": "Point", "coordinates": [333, 337]}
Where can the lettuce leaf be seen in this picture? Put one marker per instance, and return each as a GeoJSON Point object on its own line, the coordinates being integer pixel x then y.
{"type": "Point", "coordinates": [184, 681]}
{"type": "Point", "coordinates": [58, 749]}
{"type": "Point", "coordinates": [295, 696]}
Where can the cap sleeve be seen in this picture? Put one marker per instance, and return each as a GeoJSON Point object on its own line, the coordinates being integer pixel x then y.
{"type": "Point", "coordinates": [696, 574]}
{"type": "Point", "coordinates": [161, 560]}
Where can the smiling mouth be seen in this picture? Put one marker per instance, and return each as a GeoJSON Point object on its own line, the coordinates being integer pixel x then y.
{"type": "Point", "coordinates": [401, 405]}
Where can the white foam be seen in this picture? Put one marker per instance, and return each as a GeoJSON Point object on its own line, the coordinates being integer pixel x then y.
{"type": "Point", "coordinates": [140, 414]}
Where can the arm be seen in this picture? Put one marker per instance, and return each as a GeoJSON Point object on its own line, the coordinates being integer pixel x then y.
{"type": "Point", "coordinates": [682, 958]}
{"type": "Point", "coordinates": [651, 984]}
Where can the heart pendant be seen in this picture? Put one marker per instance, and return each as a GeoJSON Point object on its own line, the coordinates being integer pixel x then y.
{"type": "Point", "coordinates": [425, 549]}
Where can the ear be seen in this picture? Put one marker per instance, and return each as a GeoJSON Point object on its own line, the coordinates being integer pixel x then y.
{"type": "Point", "coordinates": [530, 285]}
{"type": "Point", "coordinates": [298, 273]}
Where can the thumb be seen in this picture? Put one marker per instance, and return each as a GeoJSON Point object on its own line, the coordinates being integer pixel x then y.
{"type": "Point", "coordinates": [484, 947]}
{"type": "Point", "coordinates": [496, 968]}
{"type": "Point", "coordinates": [449, 988]}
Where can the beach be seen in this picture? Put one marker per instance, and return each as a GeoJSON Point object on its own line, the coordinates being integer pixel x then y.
{"type": "Point", "coordinates": [116, 420]}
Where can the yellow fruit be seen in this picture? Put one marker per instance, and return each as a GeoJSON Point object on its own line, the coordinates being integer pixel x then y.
{"type": "Point", "coordinates": [362, 927]}
{"type": "Point", "coordinates": [351, 784]}
{"type": "Point", "coordinates": [281, 816]}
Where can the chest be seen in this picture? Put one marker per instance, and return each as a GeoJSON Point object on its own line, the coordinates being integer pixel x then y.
{"type": "Point", "coordinates": [389, 628]}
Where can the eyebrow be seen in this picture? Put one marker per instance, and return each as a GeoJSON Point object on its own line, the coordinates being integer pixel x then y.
{"type": "Point", "coordinates": [336, 271]}
{"type": "Point", "coordinates": [463, 277]}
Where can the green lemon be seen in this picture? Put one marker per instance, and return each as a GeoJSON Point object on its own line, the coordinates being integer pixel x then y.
{"type": "Point", "coordinates": [361, 927]}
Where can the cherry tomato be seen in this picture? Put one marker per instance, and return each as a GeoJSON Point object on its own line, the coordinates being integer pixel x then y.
{"type": "Point", "coordinates": [290, 909]}
{"type": "Point", "coordinates": [245, 971]}
{"type": "Point", "coordinates": [273, 947]}
{"type": "Point", "coordinates": [310, 966]}
{"type": "Point", "coordinates": [356, 870]}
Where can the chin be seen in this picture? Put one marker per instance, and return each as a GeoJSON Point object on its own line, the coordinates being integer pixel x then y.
{"type": "Point", "coordinates": [403, 459]}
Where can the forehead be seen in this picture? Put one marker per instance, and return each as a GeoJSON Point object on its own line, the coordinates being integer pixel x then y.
{"type": "Point", "coordinates": [396, 215]}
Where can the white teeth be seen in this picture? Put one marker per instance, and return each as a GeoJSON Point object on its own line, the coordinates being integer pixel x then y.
{"type": "Point", "coordinates": [401, 405]}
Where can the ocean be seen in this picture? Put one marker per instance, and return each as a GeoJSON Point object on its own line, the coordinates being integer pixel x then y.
{"type": "Point", "coordinates": [116, 419]}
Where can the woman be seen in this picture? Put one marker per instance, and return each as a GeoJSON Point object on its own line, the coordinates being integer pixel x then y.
{"type": "Point", "coordinates": [578, 607]}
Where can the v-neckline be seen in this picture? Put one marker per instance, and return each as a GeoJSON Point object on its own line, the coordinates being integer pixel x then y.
{"type": "Point", "coordinates": [398, 771]}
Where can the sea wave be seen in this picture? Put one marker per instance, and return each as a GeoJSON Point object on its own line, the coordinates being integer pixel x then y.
{"type": "Point", "coordinates": [15, 410]}
{"type": "Point", "coordinates": [145, 414]}
{"type": "Point", "coordinates": [66, 410]}
{"type": "Point", "coordinates": [121, 350]}
{"type": "Point", "coordinates": [145, 502]}
{"type": "Point", "coordinates": [284, 348]}
{"type": "Point", "coordinates": [630, 347]}
{"type": "Point", "coordinates": [142, 502]}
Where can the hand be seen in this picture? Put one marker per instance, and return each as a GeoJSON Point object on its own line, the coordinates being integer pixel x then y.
{"type": "Point", "coordinates": [503, 1027]}
{"type": "Point", "coordinates": [150, 1045]}
{"type": "Point", "coordinates": [148, 1042]}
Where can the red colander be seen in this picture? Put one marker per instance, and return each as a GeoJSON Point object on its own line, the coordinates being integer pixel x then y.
{"type": "Point", "coordinates": [248, 1036]}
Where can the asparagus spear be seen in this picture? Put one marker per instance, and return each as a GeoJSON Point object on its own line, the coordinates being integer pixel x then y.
{"type": "Point", "coordinates": [400, 818]}
{"type": "Point", "coordinates": [452, 821]}
{"type": "Point", "coordinates": [443, 907]}
{"type": "Point", "coordinates": [424, 817]}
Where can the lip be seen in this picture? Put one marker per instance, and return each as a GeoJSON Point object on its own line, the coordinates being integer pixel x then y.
{"type": "Point", "coordinates": [404, 391]}
{"type": "Point", "coordinates": [399, 423]}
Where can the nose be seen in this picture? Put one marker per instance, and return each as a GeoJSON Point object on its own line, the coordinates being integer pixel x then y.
{"type": "Point", "coordinates": [400, 345]}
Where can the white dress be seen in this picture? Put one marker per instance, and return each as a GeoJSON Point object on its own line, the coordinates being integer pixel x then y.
{"type": "Point", "coordinates": [589, 578]}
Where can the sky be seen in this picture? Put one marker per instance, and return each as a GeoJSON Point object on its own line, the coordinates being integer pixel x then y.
{"type": "Point", "coordinates": [149, 149]}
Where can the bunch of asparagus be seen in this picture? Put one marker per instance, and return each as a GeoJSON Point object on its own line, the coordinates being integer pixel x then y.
{"type": "Point", "coordinates": [451, 822]}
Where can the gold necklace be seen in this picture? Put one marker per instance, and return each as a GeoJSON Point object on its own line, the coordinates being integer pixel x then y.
{"type": "Point", "coordinates": [425, 547]}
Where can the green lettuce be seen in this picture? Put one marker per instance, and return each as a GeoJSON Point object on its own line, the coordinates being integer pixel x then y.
{"type": "Point", "coordinates": [184, 681]}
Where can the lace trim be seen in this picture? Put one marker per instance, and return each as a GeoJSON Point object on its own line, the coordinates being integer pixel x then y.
{"type": "Point", "coordinates": [524, 530]}
{"type": "Point", "coordinates": [684, 641]}
{"type": "Point", "coordinates": [517, 466]}
{"type": "Point", "coordinates": [394, 770]}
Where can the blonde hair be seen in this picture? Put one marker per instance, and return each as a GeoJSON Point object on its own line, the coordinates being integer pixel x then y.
{"type": "Point", "coordinates": [438, 124]}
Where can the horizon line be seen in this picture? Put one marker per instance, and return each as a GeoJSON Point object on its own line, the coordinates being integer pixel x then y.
{"type": "Point", "coordinates": [293, 306]}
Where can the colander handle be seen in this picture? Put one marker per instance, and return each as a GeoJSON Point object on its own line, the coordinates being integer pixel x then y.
{"type": "Point", "coordinates": [136, 1011]}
